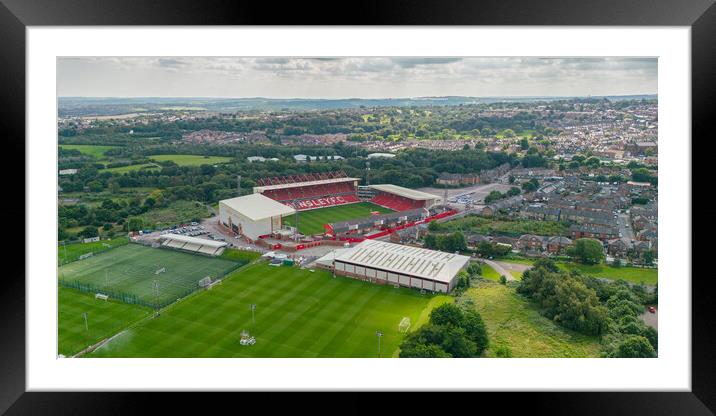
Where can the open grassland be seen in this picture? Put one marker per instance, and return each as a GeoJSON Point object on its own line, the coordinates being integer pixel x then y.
{"type": "Point", "coordinates": [131, 269]}
{"type": "Point", "coordinates": [88, 149]}
{"type": "Point", "coordinates": [630, 274]}
{"type": "Point", "coordinates": [70, 252]}
{"type": "Point", "coordinates": [473, 224]}
{"type": "Point", "coordinates": [489, 273]}
{"type": "Point", "coordinates": [311, 222]}
{"type": "Point", "coordinates": [517, 329]}
{"type": "Point", "coordinates": [191, 160]}
{"type": "Point", "coordinates": [104, 318]}
{"type": "Point", "coordinates": [298, 313]}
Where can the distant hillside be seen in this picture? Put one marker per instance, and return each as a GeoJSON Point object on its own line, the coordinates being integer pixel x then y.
{"type": "Point", "coordinates": [85, 106]}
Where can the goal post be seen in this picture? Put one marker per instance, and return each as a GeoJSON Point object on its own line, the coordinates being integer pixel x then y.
{"type": "Point", "coordinates": [404, 325]}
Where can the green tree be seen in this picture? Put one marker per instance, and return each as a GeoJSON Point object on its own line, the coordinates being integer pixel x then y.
{"type": "Point", "coordinates": [417, 350]}
{"type": "Point", "coordinates": [587, 251]}
{"type": "Point", "coordinates": [524, 143]}
{"type": "Point", "coordinates": [634, 346]}
{"type": "Point", "coordinates": [89, 232]}
{"type": "Point", "coordinates": [135, 224]}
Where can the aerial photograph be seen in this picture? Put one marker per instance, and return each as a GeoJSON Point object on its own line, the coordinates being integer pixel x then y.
{"type": "Point", "coordinates": [357, 207]}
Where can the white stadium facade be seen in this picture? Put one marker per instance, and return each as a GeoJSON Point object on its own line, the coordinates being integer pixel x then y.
{"type": "Point", "coordinates": [252, 215]}
{"type": "Point", "coordinates": [387, 263]}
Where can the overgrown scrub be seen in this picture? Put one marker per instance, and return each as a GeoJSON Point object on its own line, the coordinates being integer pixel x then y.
{"type": "Point", "coordinates": [587, 305]}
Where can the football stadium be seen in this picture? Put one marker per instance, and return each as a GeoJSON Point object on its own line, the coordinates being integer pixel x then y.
{"type": "Point", "coordinates": [151, 299]}
{"type": "Point", "coordinates": [301, 211]}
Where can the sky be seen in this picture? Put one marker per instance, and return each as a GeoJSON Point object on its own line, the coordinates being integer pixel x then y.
{"type": "Point", "coordinates": [353, 77]}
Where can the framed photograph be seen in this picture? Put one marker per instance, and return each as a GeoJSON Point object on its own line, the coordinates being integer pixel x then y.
{"type": "Point", "coordinates": [459, 198]}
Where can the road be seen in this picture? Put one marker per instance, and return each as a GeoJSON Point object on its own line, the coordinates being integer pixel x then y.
{"type": "Point", "coordinates": [651, 319]}
{"type": "Point", "coordinates": [499, 269]}
{"type": "Point", "coordinates": [627, 233]}
{"type": "Point", "coordinates": [479, 191]}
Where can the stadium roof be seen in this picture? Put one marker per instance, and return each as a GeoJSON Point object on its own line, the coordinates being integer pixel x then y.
{"type": "Point", "coordinates": [405, 192]}
{"type": "Point", "coordinates": [341, 226]}
{"type": "Point", "coordinates": [302, 184]}
{"type": "Point", "coordinates": [414, 261]}
{"type": "Point", "coordinates": [257, 206]}
{"type": "Point", "coordinates": [188, 239]}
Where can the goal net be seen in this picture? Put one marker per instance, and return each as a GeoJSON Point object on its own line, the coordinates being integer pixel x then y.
{"type": "Point", "coordinates": [404, 325]}
{"type": "Point", "coordinates": [162, 270]}
{"type": "Point", "coordinates": [205, 282]}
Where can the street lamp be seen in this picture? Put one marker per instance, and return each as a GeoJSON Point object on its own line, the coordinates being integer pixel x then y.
{"type": "Point", "coordinates": [379, 334]}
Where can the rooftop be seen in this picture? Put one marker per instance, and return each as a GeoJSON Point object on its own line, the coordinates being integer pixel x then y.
{"type": "Point", "coordinates": [257, 206]}
{"type": "Point", "coordinates": [419, 262]}
{"type": "Point", "coordinates": [404, 192]}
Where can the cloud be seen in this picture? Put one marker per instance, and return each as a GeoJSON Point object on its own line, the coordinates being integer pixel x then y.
{"type": "Point", "coordinates": [359, 76]}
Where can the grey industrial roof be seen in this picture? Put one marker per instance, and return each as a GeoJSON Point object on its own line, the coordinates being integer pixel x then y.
{"type": "Point", "coordinates": [413, 261]}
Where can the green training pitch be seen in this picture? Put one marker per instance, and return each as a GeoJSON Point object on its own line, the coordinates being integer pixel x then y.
{"type": "Point", "coordinates": [130, 269]}
{"type": "Point", "coordinates": [298, 313]}
{"type": "Point", "coordinates": [191, 160]}
{"type": "Point", "coordinates": [311, 222]}
{"type": "Point", "coordinates": [67, 253]}
{"type": "Point", "coordinates": [104, 318]}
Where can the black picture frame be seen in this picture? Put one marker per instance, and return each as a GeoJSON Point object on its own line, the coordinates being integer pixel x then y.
{"type": "Point", "coordinates": [16, 15]}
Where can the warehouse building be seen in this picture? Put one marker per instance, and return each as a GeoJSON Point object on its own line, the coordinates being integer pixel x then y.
{"type": "Point", "coordinates": [253, 215]}
{"type": "Point", "coordinates": [387, 263]}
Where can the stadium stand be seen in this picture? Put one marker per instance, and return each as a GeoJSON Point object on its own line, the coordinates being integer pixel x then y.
{"type": "Point", "coordinates": [398, 198]}
{"type": "Point", "coordinates": [193, 244]}
{"type": "Point", "coordinates": [315, 190]}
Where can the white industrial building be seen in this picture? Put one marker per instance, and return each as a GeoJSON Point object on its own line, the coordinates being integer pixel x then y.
{"type": "Point", "coordinates": [253, 215]}
{"type": "Point", "coordinates": [395, 264]}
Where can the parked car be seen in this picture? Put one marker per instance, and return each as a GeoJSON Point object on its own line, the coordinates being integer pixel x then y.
{"type": "Point", "coordinates": [652, 309]}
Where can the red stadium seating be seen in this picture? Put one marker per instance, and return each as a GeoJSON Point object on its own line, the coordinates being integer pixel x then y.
{"type": "Point", "coordinates": [312, 196]}
{"type": "Point", "coordinates": [396, 203]}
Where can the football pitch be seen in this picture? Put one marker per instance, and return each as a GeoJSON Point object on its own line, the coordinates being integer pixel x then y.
{"type": "Point", "coordinates": [298, 313]}
{"type": "Point", "coordinates": [131, 269]}
{"type": "Point", "coordinates": [311, 222]}
{"type": "Point", "coordinates": [104, 319]}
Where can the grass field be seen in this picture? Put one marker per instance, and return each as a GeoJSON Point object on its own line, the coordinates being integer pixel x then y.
{"type": "Point", "coordinates": [489, 273]}
{"type": "Point", "coordinates": [104, 318]}
{"type": "Point", "coordinates": [311, 222]}
{"type": "Point", "coordinates": [515, 325]}
{"type": "Point", "coordinates": [131, 269]}
{"type": "Point", "coordinates": [298, 313]}
{"type": "Point", "coordinates": [191, 160]}
{"type": "Point", "coordinates": [71, 252]}
{"type": "Point", "coordinates": [630, 274]}
{"type": "Point", "coordinates": [88, 149]}
{"type": "Point", "coordinates": [131, 168]}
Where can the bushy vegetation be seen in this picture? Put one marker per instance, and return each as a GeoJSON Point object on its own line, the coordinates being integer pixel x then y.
{"type": "Point", "coordinates": [451, 332]}
{"type": "Point", "coordinates": [473, 224]}
{"type": "Point", "coordinates": [593, 307]}
{"type": "Point", "coordinates": [564, 298]}
{"type": "Point", "coordinates": [446, 242]}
